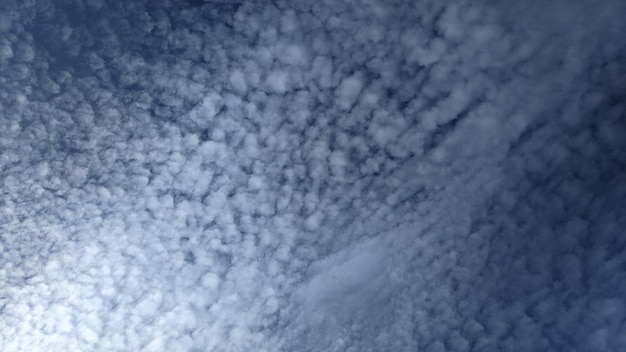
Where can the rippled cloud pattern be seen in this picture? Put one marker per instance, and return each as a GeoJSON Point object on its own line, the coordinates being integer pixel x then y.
{"type": "Point", "coordinates": [312, 175]}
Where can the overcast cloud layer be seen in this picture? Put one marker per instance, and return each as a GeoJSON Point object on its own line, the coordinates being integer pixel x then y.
{"type": "Point", "coordinates": [312, 175]}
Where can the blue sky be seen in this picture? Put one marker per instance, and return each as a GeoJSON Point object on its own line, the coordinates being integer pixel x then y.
{"type": "Point", "coordinates": [312, 176]}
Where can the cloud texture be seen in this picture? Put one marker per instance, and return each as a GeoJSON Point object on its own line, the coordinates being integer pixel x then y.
{"type": "Point", "coordinates": [360, 175]}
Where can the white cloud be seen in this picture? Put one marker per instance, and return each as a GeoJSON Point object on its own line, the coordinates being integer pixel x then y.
{"type": "Point", "coordinates": [347, 176]}
{"type": "Point", "coordinates": [348, 91]}
{"type": "Point", "coordinates": [237, 79]}
{"type": "Point", "coordinates": [6, 51]}
{"type": "Point", "coordinates": [292, 55]}
{"type": "Point", "coordinates": [322, 71]}
{"type": "Point", "coordinates": [277, 81]}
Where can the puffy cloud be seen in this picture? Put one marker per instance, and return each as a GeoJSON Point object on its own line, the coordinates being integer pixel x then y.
{"type": "Point", "coordinates": [348, 91]}
{"type": "Point", "coordinates": [322, 175]}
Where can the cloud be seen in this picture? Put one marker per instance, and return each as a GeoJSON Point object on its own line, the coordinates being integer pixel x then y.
{"type": "Point", "coordinates": [369, 176]}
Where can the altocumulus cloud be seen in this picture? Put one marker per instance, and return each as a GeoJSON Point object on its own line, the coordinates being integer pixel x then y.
{"type": "Point", "coordinates": [312, 176]}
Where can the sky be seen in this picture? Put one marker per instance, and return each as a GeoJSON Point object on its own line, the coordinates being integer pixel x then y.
{"type": "Point", "coordinates": [312, 175]}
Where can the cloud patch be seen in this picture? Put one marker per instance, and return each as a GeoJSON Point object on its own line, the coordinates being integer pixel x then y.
{"type": "Point", "coordinates": [320, 176]}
